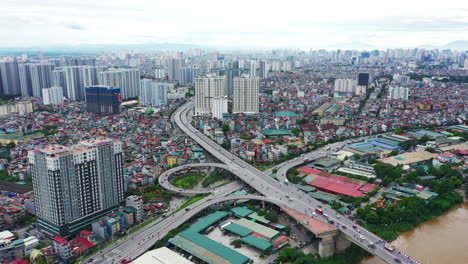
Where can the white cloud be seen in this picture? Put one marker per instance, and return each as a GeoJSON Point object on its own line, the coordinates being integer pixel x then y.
{"type": "Point", "coordinates": [247, 23]}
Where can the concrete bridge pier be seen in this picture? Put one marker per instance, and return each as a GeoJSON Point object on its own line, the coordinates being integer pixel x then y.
{"type": "Point", "coordinates": [341, 243]}
{"type": "Point", "coordinates": [326, 246]}
{"type": "Point", "coordinates": [331, 243]}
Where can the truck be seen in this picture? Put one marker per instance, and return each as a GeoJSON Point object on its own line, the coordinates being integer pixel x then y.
{"type": "Point", "coordinates": [319, 211]}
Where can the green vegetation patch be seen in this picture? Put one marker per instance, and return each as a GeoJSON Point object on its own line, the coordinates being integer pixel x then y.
{"type": "Point", "coordinates": [353, 254]}
{"type": "Point", "coordinates": [187, 181]}
{"type": "Point", "coordinates": [212, 178]}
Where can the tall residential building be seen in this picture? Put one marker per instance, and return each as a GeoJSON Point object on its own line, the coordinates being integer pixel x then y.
{"type": "Point", "coordinates": [103, 99]}
{"type": "Point", "coordinates": [73, 62]}
{"type": "Point", "coordinates": [188, 74]}
{"type": "Point", "coordinates": [398, 92]}
{"type": "Point", "coordinates": [173, 68]}
{"type": "Point", "coordinates": [153, 93]}
{"type": "Point", "coordinates": [345, 85]}
{"type": "Point", "coordinates": [9, 75]}
{"type": "Point", "coordinates": [128, 80]}
{"type": "Point", "coordinates": [263, 71]}
{"type": "Point", "coordinates": [34, 77]}
{"type": "Point", "coordinates": [253, 68]}
{"type": "Point", "coordinates": [219, 107]}
{"type": "Point", "coordinates": [52, 95]}
{"type": "Point", "coordinates": [206, 88]}
{"type": "Point", "coordinates": [363, 79]}
{"type": "Point", "coordinates": [74, 186]}
{"type": "Point", "coordinates": [245, 94]}
{"type": "Point", "coordinates": [230, 74]}
{"type": "Point", "coordinates": [25, 79]}
{"type": "Point", "coordinates": [160, 73]}
{"type": "Point", "coordinates": [74, 79]}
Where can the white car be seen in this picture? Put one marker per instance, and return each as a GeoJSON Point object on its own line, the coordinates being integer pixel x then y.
{"type": "Point", "coordinates": [362, 238]}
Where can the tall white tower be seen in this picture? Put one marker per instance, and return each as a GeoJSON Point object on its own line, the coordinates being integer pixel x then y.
{"type": "Point", "coordinates": [206, 88]}
{"type": "Point", "coordinates": [245, 94]}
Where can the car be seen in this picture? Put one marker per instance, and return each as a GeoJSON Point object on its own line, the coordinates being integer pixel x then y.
{"type": "Point", "coordinates": [355, 227]}
{"type": "Point", "coordinates": [186, 209]}
{"type": "Point", "coordinates": [338, 216]}
{"type": "Point", "coordinates": [344, 227]}
{"type": "Point", "coordinates": [362, 238]}
{"type": "Point", "coordinates": [325, 215]}
{"type": "Point", "coordinates": [319, 206]}
{"type": "Point", "coordinates": [314, 214]}
{"type": "Point", "coordinates": [371, 245]}
{"type": "Point", "coordinates": [397, 260]}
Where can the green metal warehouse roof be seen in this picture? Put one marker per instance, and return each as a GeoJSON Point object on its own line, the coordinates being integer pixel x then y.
{"type": "Point", "coordinates": [241, 211]}
{"type": "Point", "coordinates": [257, 242]}
{"type": "Point", "coordinates": [259, 218]}
{"type": "Point", "coordinates": [276, 132]}
{"type": "Point", "coordinates": [306, 188]}
{"type": "Point", "coordinates": [285, 113]}
{"type": "Point", "coordinates": [323, 196]}
{"type": "Point", "coordinates": [239, 230]}
{"type": "Point", "coordinates": [227, 253]}
{"type": "Point", "coordinates": [206, 221]}
{"type": "Point", "coordinates": [406, 190]}
{"type": "Point", "coordinates": [198, 251]}
{"type": "Point", "coordinates": [258, 228]}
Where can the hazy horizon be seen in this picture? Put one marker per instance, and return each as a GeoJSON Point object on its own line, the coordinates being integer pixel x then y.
{"type": "Point", "coordinates": [243, 24]}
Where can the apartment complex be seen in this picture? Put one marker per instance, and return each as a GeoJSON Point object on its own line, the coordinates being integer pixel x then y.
{"type": "Point", "coordinates": [73, 186]}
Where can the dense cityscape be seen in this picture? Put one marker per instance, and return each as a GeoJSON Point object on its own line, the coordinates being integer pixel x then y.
{"type": "Point", "coordinates": [336, 136]}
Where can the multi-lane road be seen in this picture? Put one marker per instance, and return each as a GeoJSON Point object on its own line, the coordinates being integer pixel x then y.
{"type": "Point", "coordinates": [277, 192]}
{"type": "Point", "coordinates": [297, 200]}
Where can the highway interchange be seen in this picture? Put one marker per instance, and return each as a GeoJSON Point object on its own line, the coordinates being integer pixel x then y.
{"type": "Point", "coordinates": [277, 192]}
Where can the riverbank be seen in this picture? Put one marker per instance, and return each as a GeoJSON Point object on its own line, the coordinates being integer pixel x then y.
{"type": "Point", "coordinates": [409, 213]}
{"type": "Point", "coordinates": [440, 240]}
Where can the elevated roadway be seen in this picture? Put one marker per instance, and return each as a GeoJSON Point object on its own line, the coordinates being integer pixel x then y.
{"type": "Point", "coordinates": [300, 202]}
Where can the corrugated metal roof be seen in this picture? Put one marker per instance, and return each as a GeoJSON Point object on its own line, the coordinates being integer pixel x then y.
{"type": "Point", "coordinates": [206, 221]}
{"type": "Point", "coordinates": [257, 242]}
{"type": "Point", "coordinates": [259, 218]}
{"type": "Point", "coordinates": [239, 230]}
{"type": "Point", "coordinates": [258, 228]}
{"type": "Point", "coordinates": [241, 211]}
{"type": "Point", "coordinates": [198, 251]}
{"type": "Point", "coordinates": [222, 251]}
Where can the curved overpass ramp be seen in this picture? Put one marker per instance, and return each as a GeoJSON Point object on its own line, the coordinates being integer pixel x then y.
{"type": "Point", "coordinates": [164, 178]}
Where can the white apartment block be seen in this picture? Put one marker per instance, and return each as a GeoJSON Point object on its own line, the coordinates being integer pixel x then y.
{"type": "Point", "coordinates": [52, 95]}
{"type": "Point", "coordinates": [206, 88]}
{"type": "Point", "coordinates": [245, 94]}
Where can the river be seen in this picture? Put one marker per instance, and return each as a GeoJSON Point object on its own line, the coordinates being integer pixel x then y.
{"type": "Point", "coordinates": [443, 240]}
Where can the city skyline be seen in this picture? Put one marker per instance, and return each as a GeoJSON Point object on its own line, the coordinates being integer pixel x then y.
{"type": "Point", "coordinates": [300, 24]}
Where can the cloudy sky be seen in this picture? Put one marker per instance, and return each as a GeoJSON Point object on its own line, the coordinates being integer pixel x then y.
{"type": "Point", "coordinates": [240, 23]}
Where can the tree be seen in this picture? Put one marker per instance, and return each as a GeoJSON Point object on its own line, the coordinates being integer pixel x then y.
{"type": "Point", "coordinates": [296, 131]}
{"type": "Point", "coordinates": [236, 243]}
{"type": "Point", "coordinates": [272, 216]}
{"type": "Point", "coordinates": [431, 150]}
{"type": "Point", "coordinates": [226, 127]}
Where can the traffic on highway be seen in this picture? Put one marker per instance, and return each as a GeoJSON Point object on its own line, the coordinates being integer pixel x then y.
{"type": "Point", "coordinates": [280, 193]}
